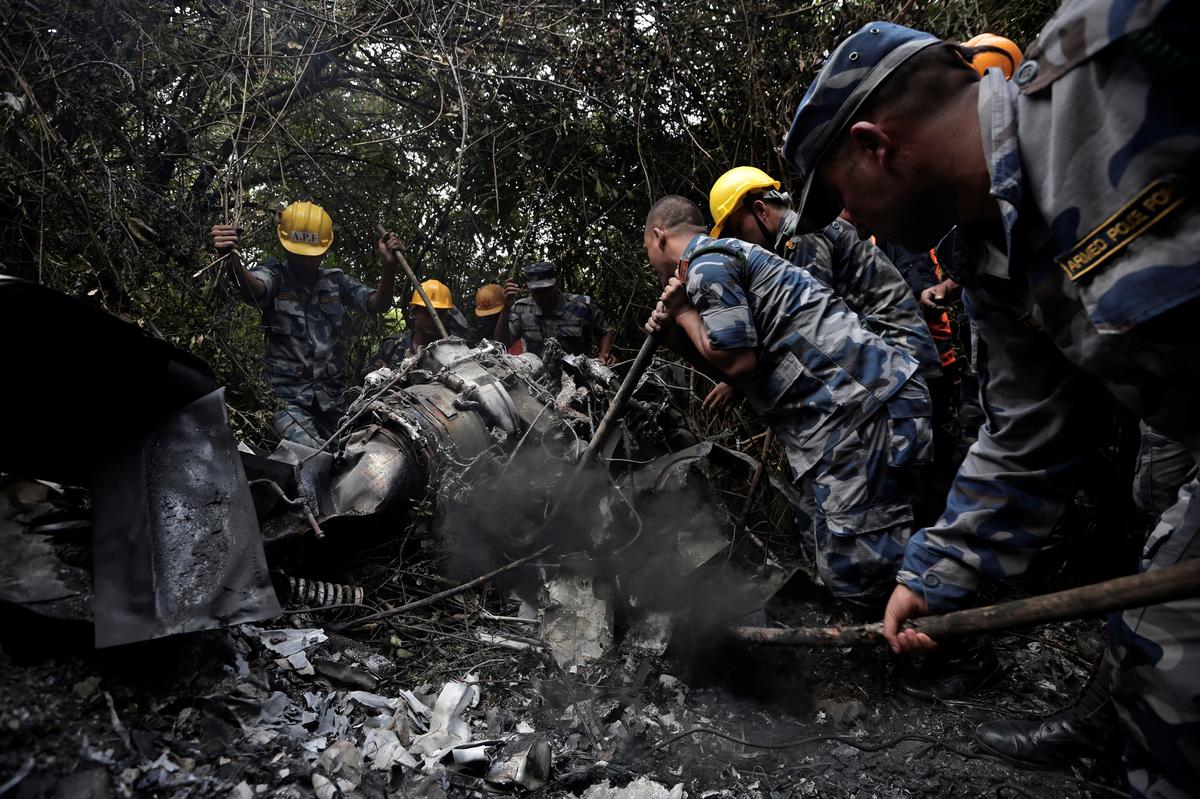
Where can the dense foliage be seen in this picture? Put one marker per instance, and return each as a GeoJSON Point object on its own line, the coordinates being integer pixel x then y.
{"type": "Point", "coordinates": [487, 133]}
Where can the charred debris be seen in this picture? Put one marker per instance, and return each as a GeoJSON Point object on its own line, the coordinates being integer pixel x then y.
{"type": "Point", "coordinates": [421, 607]}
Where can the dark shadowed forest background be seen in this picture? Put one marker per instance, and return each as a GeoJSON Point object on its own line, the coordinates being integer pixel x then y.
{"type": "Point", "coordinates": [486, 133]}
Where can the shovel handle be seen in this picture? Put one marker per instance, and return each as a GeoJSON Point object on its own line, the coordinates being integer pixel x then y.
{"type": "Point", "coordinates": [617, 408]}
{"type": "Point", "coordinates": [412, 277]}
{"type": "Point", "coordinates": [1179, 581]}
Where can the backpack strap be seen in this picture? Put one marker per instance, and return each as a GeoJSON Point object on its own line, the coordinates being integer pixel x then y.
{"type": "Point", "coordinates": [708, 249]}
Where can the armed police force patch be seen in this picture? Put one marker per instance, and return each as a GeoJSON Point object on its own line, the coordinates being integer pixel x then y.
{"type": "Point", "coordinates": [1149, 207]}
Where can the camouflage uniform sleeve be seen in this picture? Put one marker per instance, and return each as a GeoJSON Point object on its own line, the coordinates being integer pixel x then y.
{"type": "Point", "coordinates": [717, 293]}
{"type": "Point", "coordinates": [516, 325]}
{"type": "Point", "coordinates": [1021, 474]}
{"type": "Point", "coordinates": [353, 293]}
{"type": "Point", "coordinates": [875, 286]}
{"type": "Point", "coordinates": [271, 275]}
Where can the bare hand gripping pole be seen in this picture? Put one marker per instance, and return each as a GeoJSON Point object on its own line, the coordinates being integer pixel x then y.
{"type": "Point", "coordinates": [1149, 588]}
{"type": "Point", "coordinates": [412, 277]}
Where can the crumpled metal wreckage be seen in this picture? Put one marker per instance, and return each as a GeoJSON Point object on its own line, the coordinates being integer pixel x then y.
{"type": "Point", "coordinates": [491, 438]}
{"type": "Point", "coordinates": [175, 543]}
{"type": "Point", "coordinates": [433, 426]}
{"type": "Point", "coordinates": [180, 516]}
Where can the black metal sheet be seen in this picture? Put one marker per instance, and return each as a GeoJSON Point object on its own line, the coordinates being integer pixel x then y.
{"type": "Point", "coordinates": [79, 381]}
{"type": "Point", "coordinates": [176, 540]}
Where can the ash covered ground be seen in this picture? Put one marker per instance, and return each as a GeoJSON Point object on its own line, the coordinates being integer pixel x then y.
{"type": "Point", "coordinates": [228, 713]}
{"type": "Point", "coordinates": [598, 670]}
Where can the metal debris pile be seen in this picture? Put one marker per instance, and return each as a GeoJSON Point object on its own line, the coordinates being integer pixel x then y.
{"type": "Point", "coordinates": [453, 626]}
{"type": "Point", "coordinates": [440, 703]}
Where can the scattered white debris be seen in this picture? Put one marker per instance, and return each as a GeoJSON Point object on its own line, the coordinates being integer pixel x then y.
{"type": "Point", "coordinates": [290, 645]}
{"type": "Point", "coordinates": [641, 788]}
{"type": "Point", "coordinates": [447, 727]}
{"type": "Point", "coordinates": [577, 619]}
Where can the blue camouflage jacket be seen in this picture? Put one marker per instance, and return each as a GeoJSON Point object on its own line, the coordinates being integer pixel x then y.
{"type": "Point", "coordinates": [1092, 295]}
{"type": "Point", "coordinates": [821, 372]}
{"type": "Point", "coordinates": [862, 275]}
{"type": "Point", "coordinates": [304, 358]}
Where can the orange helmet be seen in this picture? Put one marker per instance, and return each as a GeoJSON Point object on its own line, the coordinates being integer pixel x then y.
{"type": "Point", "coordinates": [489, 300]}
{"type": "Point", "coordinates": [1001, 52]}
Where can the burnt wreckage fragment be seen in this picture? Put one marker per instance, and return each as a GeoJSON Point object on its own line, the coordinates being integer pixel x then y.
{"type": "Point", "coordinates": [492, 440]}
{"type": "Point", "coordinates": [178, 513]}
{"type": "Point", "coordinates": [97, 402]}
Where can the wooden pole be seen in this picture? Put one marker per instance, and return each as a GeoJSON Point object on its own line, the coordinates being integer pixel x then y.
{"type": "Point", "coordinates": [412, 277]}
{"type": "Point", "coordinates": [755, 480]}
{"type": "Point", "coordinates": [1138, 590]}
{"type": "Point", "coordinates": [616, 408]}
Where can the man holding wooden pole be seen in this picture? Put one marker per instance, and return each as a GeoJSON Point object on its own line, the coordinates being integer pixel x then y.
{"type": "Point", "coordinates": [1076, 245]}
{"type": "Point", "coordinates": [302, 307]}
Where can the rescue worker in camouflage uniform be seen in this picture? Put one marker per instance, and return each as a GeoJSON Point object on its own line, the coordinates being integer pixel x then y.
{"type": "Point", "coordinates": [748, 204]}
{"type": "Point", "coordinates": [302, 308]}
{"type": "Point", "coordinates": [850, 408]}
{"type": "Point", "coordinates": [549, 312]}
{"type": "Point", "coordinates": [421, 329]}
{"type": "Point", "coordinates": [489, 301]}
{"type": "Point", "coordinates": [1078, 232]}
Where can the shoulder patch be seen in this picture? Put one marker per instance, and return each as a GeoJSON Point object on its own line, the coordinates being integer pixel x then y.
{"type": "Point", "coordinates": [1150, 206]}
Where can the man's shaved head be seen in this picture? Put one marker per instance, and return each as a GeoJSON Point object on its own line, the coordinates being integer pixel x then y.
{"type": "Point", "coordinates": [672, 222]}
{"type": "Point", "coordinates": [673, 211]}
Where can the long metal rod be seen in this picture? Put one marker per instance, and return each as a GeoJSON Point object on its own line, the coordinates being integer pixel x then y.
{"type": "Point", "coordinates": [439, 596]}
{"type": "Point", "coordinates": [1180, 581]}
{"type": "Point", "coordinates": [412, 277]}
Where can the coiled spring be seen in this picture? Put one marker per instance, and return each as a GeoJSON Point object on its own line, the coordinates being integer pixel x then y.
{"type": "Point", "coordinates": [318, 593]}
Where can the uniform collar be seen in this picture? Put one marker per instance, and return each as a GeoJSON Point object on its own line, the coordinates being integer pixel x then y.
{"type": "Point", "coordinates": [697, 240]}
{"type": "Point", "coordinates": [998, 123]}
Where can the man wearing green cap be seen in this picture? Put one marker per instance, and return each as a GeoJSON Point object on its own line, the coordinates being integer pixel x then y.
{"type": "Point", "coordinates": [1077, 241]}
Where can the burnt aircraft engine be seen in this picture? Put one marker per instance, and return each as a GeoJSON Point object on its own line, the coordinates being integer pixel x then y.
{"type": "Point", "coordinates": [492, 440]}
{"type": "Point", "coordinates": [419, 430]}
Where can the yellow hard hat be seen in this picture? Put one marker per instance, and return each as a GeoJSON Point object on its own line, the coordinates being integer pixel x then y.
{"type": "Point", "coordinates": [1005, 54]}
{"type": "Point", "coordinates": [489, 300]}
{"type": "Point", "coordinates": [305, 229]}
{"type": "Point", "coordinates": [731, 187]}
{"type": "Point", "coordinates": [438, 293]}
